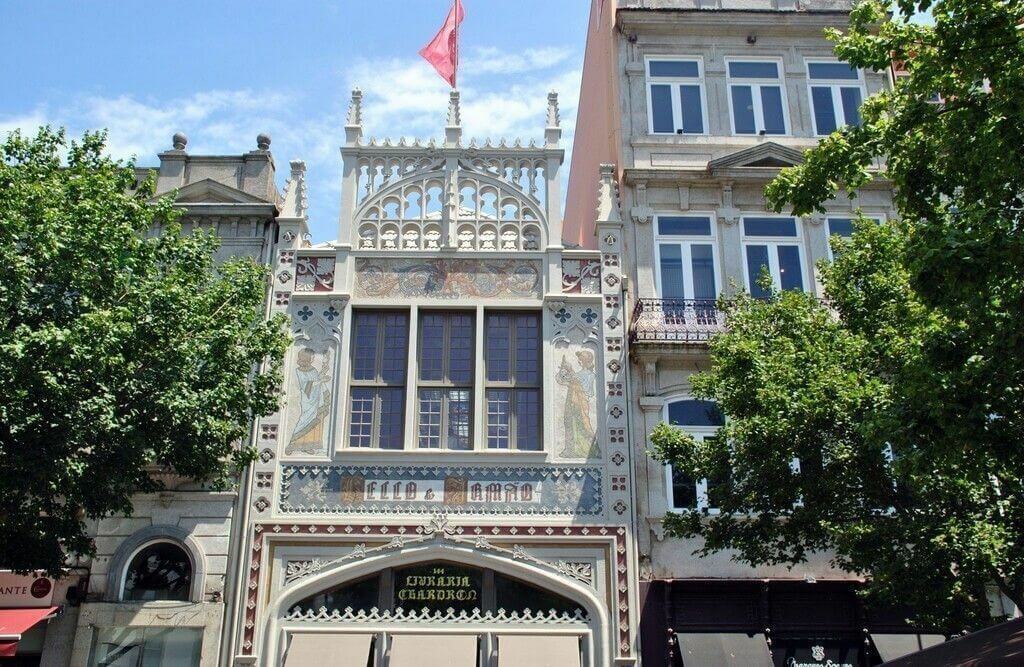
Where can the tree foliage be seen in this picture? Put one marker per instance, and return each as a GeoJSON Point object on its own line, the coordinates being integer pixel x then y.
{"type": "Point", "coordinates": [902, 395]}
{"type": "Point", "coordinates": [120, 354]}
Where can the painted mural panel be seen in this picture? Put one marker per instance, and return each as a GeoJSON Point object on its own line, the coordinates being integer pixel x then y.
{"type": "Point", "coordinates": [574, 491]}
{"type": "Point", "coordinates": [575, 356]}
{"type": "Point", "coordinates": [448, 278]}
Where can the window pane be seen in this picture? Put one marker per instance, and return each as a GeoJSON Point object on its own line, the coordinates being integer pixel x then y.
{"type": "Point", "coordinates": [743, 109]}
{"type": "Point", "coordinates": [360, 595]}
{"type": "Point", "coordinates": [841, 226]}
{"type": "Point", "coordinates": [431, 362]}
{"type": "Point", "coordinates": [769, 227]}
{"type": "Point", "coordinates": [661, 109]}
{"type": "Point", "coordinates": [396, 348]}
{"type": "Point", "coordinates": [161, 571]}
{"type": "Point", "coordinates": [693, 116]}
{"type": "Point", "coordinates": [527, 349]}
{"type": "Point", "coordinates": [790, 274]}
{"type": "Point", "coordinates": [684, 491]}
{"type": "Point", "coordinates": [392, 409]}
{"type": "Point", "coordinates": [171, 647]}
{"type": "Point", "coordinates": [498, 346]}
{"type": "Point", "coordinates": [460, 348]}
{"type": "Point", "coordinates": [851, 105]}
{"type": "Point", "coordinates": [771, 103]}
{"type": "Point", "coordinates": [831, 71]}
{"type": "Point", "coordinates": [679, 68]}
{"type": "Point", "coordinates": [689, 226]}
{"type": "Point", "coordinates": [692, 412]}
{"type": "Point", "coordinates": [364, 347]}
{"type": "Point", "coordinates": [498, 410]}
{"type": "Point", "coordinates": [703, 260]}
{"type": "Point", "coordinates": [824, 111]}
{"type": "Point", "coordinates": [757, 261]}
{"type": "Point", "coordinates": [528, 420]}
{"type": "Point", "coordinates": [430, 419]}
{"type": "Point", "coordinates": [671, 271]}
{"type": "Point", "coordinates": [459, 415]}
{"type": "Point", "coordinates": [360, 429]}
{"type": "Point", "coordinates": [744, 70]}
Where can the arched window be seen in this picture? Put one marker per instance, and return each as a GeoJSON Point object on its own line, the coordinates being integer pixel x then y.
{"type": "Point", "coordinates": [701, 419]}
{"type": "Point", "coordinates": [158, 571]}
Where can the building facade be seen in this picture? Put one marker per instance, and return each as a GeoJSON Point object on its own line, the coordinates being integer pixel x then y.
{"type": "Point", "coordinates": [700, 103]}
{"type": "Point", "coordinates": [448, 479]}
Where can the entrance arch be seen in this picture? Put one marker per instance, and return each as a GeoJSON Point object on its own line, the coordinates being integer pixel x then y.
{"type": "Point", "coordinates": [592, 624]}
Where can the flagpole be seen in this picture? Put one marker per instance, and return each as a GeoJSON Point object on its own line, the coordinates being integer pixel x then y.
{"type": "Point", "coordinates": [455, 78]}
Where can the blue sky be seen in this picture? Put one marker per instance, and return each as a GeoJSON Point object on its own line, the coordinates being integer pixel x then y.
{"type": "Point", "coordinates": [224, 70]}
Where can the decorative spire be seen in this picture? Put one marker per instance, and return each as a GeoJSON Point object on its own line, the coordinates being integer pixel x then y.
{"type": "Point", "coordinates": [608, 196]}
{"type": "Point", "coordinates": [553, 118]}
{"type": "Point", "coordinates": [294, 205]}
{"type": "Point", "coordinates": [454, 113]}
{"type": "Point", "coordinates": [355, 108]}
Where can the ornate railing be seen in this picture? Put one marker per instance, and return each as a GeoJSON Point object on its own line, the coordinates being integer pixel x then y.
{"type": "Point", "coordinates": [675, 321]}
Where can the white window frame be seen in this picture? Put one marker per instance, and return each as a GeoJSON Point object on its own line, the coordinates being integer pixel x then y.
{"type": "Point", "coordinates": [880, 219]}
{"type": "Point", "coordinates": [686, 241]}
{"type": "Point", "coordinates": [773, 242]}
{"type": "Point", "coordinates": [835, 86]}
{"type": "Point", "coordinates": [677, 105]}
{"type": "Point", "coordinates": [755, 88]}
{"type": "Point", "coordinates": [698, 432]}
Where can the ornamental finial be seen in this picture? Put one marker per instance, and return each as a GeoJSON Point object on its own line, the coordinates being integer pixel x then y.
{"type": "Point", "coordinates": [553, 118]}
{"type": "Point", "coordinates": [355, 108]}
{"type": "Point", "coordinates": [454, 113]}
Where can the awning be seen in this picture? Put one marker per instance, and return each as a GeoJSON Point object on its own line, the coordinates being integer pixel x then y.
{"type": "Point", "coordinates": [998, 646]}
{"type": "Point", "coordinates": [433, 650]}
{"type": "Point", "coordinates": [725, 649]}
{"type": "Point", "coordinates": [891, 647]}
{"type": "Point", "coordinates": [321, 648]}
{"type": "Point", "coordinates": [538, 651]}
{"type": "Point", "coordinates": [14, 623]}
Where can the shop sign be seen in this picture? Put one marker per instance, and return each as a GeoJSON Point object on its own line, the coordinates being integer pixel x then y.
{"type": "Point", "coordinates": [18, 590]}
{"type": "Point", "coordinates": [811, 653]}
{"type": "Point", "coordinates": [438, 586]}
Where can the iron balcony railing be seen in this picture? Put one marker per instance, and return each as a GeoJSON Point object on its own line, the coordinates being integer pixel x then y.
{"type": "Point", "coordinates": [675, 321]}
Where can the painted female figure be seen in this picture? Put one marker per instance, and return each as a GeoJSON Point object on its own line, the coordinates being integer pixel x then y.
{"type": "Point", "coordinates": [580, 389]}
{"type": "Point", "coordinates": [314, 405]}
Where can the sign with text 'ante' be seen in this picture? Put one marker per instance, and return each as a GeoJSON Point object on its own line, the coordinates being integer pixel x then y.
{"type": "Point", "coordinates": [19, 590]}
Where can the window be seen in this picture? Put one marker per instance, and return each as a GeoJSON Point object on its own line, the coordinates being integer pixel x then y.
{"type": "Point", "coordinates": [842, 227]}
{"type": "Point", "coordinates": [837, 91]}
{"type": "Point", "coordinates": [445, 390]}
{"type": "Point", "coordinates": [513, 373]}
{"type": "Point", "coordinates": [147, 647]}
{"type": "Point", "coordinates": [675, 95]}
{"type": "Point", "coordinates": [380, 349]}
{"type": "Point", "coordinates": [757, 97]}
{"type": "Point", "coordinates": [159, 571]}
{"type": "Point", "coordinates": [686, 258]}
{"type": "Point", "coordinates": [773, 243]}
{"type": "Point", "coordinates": [701, 419]}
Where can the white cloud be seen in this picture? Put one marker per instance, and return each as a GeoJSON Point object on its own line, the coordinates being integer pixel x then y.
{"type": "Point", "coordinates": [27, 123]}
{"type": "Point", "coordinates": [490, 60]}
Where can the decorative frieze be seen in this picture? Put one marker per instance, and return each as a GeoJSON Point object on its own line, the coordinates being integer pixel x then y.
{"type": "Point", "coordinates": [448, 278]}
{"type": "Point", "coordinates": [581, 276]}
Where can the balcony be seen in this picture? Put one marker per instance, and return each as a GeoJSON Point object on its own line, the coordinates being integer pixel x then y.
{"type": "Point", "coordinates": [683, 321]}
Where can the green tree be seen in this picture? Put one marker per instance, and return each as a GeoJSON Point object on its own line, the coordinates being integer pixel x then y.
{"type": "Point", "coordinates": [119, 354]}
{"type": "Point", "coordinates": [903, 395]}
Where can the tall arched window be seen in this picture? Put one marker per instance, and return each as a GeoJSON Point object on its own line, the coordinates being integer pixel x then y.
{"type": "Point", "coordinates": [158, 571]}
{"type": "Point", "coordinates": [701, 419]}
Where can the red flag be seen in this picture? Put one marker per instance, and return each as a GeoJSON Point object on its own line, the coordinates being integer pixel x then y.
{"type": "Point", "coordinates": [443, 51]}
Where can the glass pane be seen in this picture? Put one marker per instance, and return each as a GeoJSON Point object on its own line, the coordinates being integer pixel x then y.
{"type": "Point", "coordinates": [161, 571]}
{"type": "Point", "coordinates": [528, 420]}
{"type": "Point", "coordinates": [360, 595]}
{"type": "Point", "coordinates": [703, 261]}
{"type": "Point", "coordinates": [831, 71]}
{"type": "Point", "coordinates": [515, 595]}
{"type": "Point", "coordinates": [688, 226]}
{"type": "Point", "coordinates": [841, 226]}
{"type": "Point", "coordinates": [851, 105]}
{"type": "Point", "coordinates": [498, 346]}
{"type": "Point", "coordinates": [392, 413]}
{"type": "Point", "coordinates": [824, 111]}
{"type": "Point", "coordinates": [460, 348]}
{"type": "Point", "coordinates": [771, 104]}
{"type": "Point", "coordinates": [431, 362]}
{"type": "Point", "coordinates": [396, 348]}
{"type": "Point", "coordinates": [693, 116]}
{"type": "Point", "coordinates": [118, 647]}
{"type": "Point", "coordinates": [527, 349]}
{"type": "Point", "coordinates": [364, 347]}
{"type": "Point", "coordinates": [430, 419]}
{"type": "Point", "coordinates": [360, 428]}
{"type": "Point", "coordinates": [790, 273]}
{"type": "Point", "coordinates": [757, 262]}
{"type": "Point", "coordinates": [684, 491]}
{"type": "Point", "coordinates": [743, 109]}
{"type": "Point", "coordinates": [769, 227]}
{"type": "Point", "coordinates": [459, 432]}
{"type": "Point", "coordinates": [671, 271]}
{"type": "Point", "coordinates": [661, 109]}
{"type": "Point", "coordinates": [692, 412]}
{"type": "Point", "coordinates": [498, 410]}
{"type": "Point", "coordinates": [679, 68]}
{"type": "Point", "coordinates": [438, 586]}
{"type": "Point", "coordinates": [744, 70]}
{"type": "Point", "coordinates": [172, 647]}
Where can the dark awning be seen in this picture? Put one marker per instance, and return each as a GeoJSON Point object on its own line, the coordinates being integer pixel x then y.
{"type": "Point", "coordinates": [14, 623]}
{"type": "Point", "coordinates": [725, 649]}
{"type": "Point", "coordinates": [999, 646]}
{"type": "Point", "coordinates": [892, 646]}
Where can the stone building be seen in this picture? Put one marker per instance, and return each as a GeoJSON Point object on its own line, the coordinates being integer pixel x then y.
{"type": "Point", "coordinates": [700, 103]}
{"type": "Point", "coordinates": [447, 481]}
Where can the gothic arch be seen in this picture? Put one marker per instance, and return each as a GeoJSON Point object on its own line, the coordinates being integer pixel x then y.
{"type": "Point", "coordinates": [144, 537]}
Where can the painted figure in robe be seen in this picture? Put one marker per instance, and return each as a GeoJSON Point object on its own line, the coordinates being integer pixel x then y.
{"type": "Point", "coordinates": [580, 384]}
{"type": "Point", "coordinates": [314, 404]}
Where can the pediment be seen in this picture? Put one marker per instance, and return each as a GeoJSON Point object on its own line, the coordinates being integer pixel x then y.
{"type": "Point", "coordinates": [209, 191]}
{"type": "Point", "coordinates": [767, 155]}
